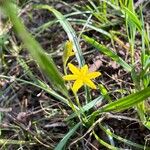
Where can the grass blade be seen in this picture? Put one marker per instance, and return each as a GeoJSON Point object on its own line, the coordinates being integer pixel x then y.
{"type": "Point", "coordinates": [63, 142]}
{"type": "Point", "coordinates": [108, 132]}
{"type": "Point", "coordinates": [128, 101]}
{"type": "Point", "coordinates": [133, 18]}
{"type": "Point", "coordinates": [125, 102]}
{"type": "Point", "coordinates": [107, 52]}
{"type": "Point", "coordinates": [104, 143]}
{"type": "Point", "coordinates": [87, 107]}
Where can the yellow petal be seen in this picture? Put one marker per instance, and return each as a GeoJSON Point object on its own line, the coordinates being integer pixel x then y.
{"type": "Point", "coordinates": [73, 69]}
{"type": "Point", "coordinates": [84, 69]}
{"type": "Point", "coordinates": [68, 51]}
{"type": "Point", "coordinates": [92, 75]}
{"type": "Point", "coordinates": [69, 45]}
{"type": "Point", "coordinates": [77, 85]}
{"type": "Point", "coordinates": [70, 77]}
{"type": "Point", "coordinates": [90, 83]}
{"type": "Point", "coordinates": [71, 54]}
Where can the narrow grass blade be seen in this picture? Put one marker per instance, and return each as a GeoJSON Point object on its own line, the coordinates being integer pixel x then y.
{"type": "Point", "coordinates": [108, 146]}
{"type": "Point", "coordinates": [133, 17]}
{"type": "Point", "coordinates": [107, 52]}
{"type": "Point", "coordinates": [63, 142]}
{"type": "Point", "coordinates": [113, 5]}
{"type": "Point", "coordinates": [128, 142]}
{"type": "Point", "coordinates": [87, 107]}
{"type": "Point", "coordinates": [91, 26]}
{"type": "Point", "coordinates": [104, 92]}
{"type": "Point", "coordinates": [69, 30]}
{"type": "Point", "coordinates": [37, 52]}
{"type": "Point", "coordinates": [127, 101]}
{"type": "Point", "coordinates": [50, 23]}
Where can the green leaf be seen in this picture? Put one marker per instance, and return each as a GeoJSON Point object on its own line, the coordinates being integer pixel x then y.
{"type": "Point", "coordinates": [107, 52]}
{"type": "Point", "coordinates": [147, 124]}
{"type": "Point", "coordinates": [104, 92]}
{"type": "Point", "coordinates": [108, 146]}
{"type": "Point", "coordinates": [63, 142]}
{"type": "Point", "coordinates": [127, 101]}
{"type": "Point", "coordinates": [123, 103]}
{"type": "Point", "coordinates": [119, 138]}
{"type": "Point", "coordinates": [133, 18]}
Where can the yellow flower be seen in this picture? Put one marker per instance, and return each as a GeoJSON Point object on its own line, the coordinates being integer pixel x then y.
{"type": "Point", "coordinates": [68, 51]}
{"type": "Point", "coordinates": [69, 48]}
{"type": "Point", "coordinates": [81, 76]}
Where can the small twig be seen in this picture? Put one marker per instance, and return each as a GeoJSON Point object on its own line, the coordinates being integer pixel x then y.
{"type": "Point", "coordinates": [5, 109]}
{"type": "Point", "coordinates": [119, 117]}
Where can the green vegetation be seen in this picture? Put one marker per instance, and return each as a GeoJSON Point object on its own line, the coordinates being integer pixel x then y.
{"type": "Point", "coordinates": [52, 97]}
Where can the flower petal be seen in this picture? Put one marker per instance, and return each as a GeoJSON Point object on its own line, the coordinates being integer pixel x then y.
{"type": "Point", "coordinates": [92, 75]}
{"type": "Point", "coordinates": [77, 85]}
{"type": "Point", "coordinates": [71, 54]}
{"type": "Point", "coordinates": [84, 69]}
{"type": "Point", "coordinates": [70, 77]}
{"type": "Point", "coordinates": [90, 83]}
{"type": "Point", "coordinates": [73, 69]}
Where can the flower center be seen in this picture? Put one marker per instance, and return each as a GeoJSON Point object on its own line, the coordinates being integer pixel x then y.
{"type": "Point", "coordinates": [82, 76]}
